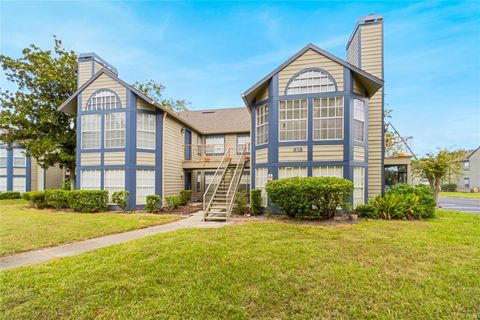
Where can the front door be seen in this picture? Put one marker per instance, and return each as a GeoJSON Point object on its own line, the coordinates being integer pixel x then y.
{"type": "Point", "coordinates": [188, 180]}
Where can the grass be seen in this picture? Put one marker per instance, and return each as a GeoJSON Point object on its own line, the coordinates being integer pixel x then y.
{"type": "Point", "coordinates": [460, 195]}
{"type": "Point", "coordinates": [374, 269]}
{"type": "Point", "coordinates": [24, 228]}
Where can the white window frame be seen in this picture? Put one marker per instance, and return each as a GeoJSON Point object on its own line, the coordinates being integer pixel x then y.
{"type": "Point", "coordinates": [358, 186]}
{"type": "Point", "coordinates": [310, 81]}
{"type": "Point", "coordinates": [91, 126]}
{"type": "Point", "coordinates": [214, 145]}
{"type": "Point", "coordinates": [199, 181]}
{"type": "Point", "coordinates": [466, 182]}
{"type": "Point", "coordinates": [113, 181]}
{"type": "Point", "coordinates": [3, 157]}
{"type": "Point", "coordinates": [146, 128]}
{"type": "Point", "coordinates": [145, 185]}
{"type": "Point", "coordinates": [243, 139]}
{"type": "Point", "coordinates": [328, 171]}
{"type": "Point", "coordinates": [114, 130]}
{"type": "Point", "coordinates": [19, 184]}
{"type": "Point", "coordinates": [90, 179]}
{"type": "Point", "coordinates": [261, 125]}
{"type": "Point", "coordinates": [293, 113]}
{"type": "Point", "coordinates": [291, 172]}
{"type": "Point", "coordinates": [466, 165]}
{"type": "Point", "coordinates": [325, 111]}
{"type": "Point", "coordinates": [3, 184]}
{"type": "Point", "coordinates": [261, 179]}
{"type": "Point", "coordinates": [19, 158]}
{"type": "Point", "coordinates": [359, 119]}
{"type": "Point", "coordinates": [103, 99]}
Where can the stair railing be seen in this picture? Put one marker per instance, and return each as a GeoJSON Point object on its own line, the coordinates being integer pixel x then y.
{"type": "Point", "coordinates": [225, 159]}
{"type": "Point", "coordinates": [237, 177]}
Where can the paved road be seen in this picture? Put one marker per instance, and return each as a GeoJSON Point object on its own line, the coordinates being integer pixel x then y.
{"type": "Point", "coordinates": [460, 204]}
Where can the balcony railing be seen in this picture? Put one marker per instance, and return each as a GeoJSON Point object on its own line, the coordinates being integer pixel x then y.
{"type": "Point", "coordinates": [207, 152]}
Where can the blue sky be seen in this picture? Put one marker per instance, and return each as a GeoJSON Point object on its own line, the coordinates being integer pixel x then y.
{"type": "Point", "coordinates": [210, 52]}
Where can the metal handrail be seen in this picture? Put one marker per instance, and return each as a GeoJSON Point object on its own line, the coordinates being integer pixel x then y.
{"type": "Point", "coordinates": [225, 156]}
{"type": "Point", "coordinates": [200, 150]}
{"type": "Point", "coordinates": [235, 181]}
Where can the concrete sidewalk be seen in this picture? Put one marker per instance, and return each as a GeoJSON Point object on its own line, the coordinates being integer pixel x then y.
{"type": "Point", "coordinates": [70, 249]}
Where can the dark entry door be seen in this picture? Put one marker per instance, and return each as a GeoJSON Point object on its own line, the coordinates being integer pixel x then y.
{"type": "Point", "coordinates": [188, 180]}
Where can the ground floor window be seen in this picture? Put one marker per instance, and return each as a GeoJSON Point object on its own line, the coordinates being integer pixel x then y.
{"type": "Point", "coordinates": [90, 180]}
{"type": "Point", "coordinates": [290, 172]}
{"type": "Point", "coordinates": [395, 174]}
{"type": "Point", "coordinates": [114, 180]}
{"type": "Point", "coordinates": [358, 186]}
{"type": "Point", "coordinates": [199, 181]}
{"type": "Point", "coordinates": [328, 171]}
{"type": "Point", "coordinates": [261, 178]}
{"type": "Point", "coordinates": [145, 185]}
{"type": "Point", "coordinates": [3, 184]}
{"type": "Point", "coordinates": [20, 184]}
{"type": "Point", "coordinates": [466, 182]}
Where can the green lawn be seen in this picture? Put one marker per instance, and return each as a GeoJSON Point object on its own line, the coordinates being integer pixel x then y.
{"type": "Point", "coordinates": [460, 195]}
{"type": "Point", "coordinates": [23, 228]}
{"type": "Point", "coordinates": [371, 270]}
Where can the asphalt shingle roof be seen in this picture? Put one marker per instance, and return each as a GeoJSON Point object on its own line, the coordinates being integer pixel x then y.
{"type": "Point", "coordinates": [219, 120]}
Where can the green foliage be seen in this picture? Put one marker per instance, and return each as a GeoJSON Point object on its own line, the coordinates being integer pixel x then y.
{"type": "Point", "coordinates": [120, 198]}
{"type": "Point", "coordinates": [37, 199]}
{"type": "Point", "coordinates": [10, 195]}
{"type": "Point", "coordinates": [88, 200]}
{"type": "Point", "coordinates": [186, 196]}
{"type": "Point", "coordinates": [366, 211]}
{"type": "Point", "coordinates": [45, 79]}
{"type": "Point", "coordinates": [153, 204]}
{"type": "Point", "coordinates": [241, 203]}
{"type": "Point", "coordinates": [154, 90]}
{"type": "Point", "coordinates": [173, 202]}
{"type": "Point", "coordinates": [311, 197]}
{"type": "Point", "coordinates": [449, 187]}
{"type": "Point", "coordinates": [426, 202]}
{"type": "Point", "coordinates": [57, 198]}
{"type": "Point", "coordinates": [67, 184]}
{"type": "Point", "coordinates": [256, 201]}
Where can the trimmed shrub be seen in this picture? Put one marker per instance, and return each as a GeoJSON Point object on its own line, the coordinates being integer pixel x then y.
{"type": "Point", "coordinates": [449, 187]}
{"type": "Point", "coordinates": [241, 203]}
{"type": "Point", "coordinates": [186, 196]}
{"type": "Point", "coordinates": [366, 211]}
{"type": "Point", "coordinates": [37, 199]}
{"type": "Point", "coordinates": [88, 200]}
{"type": "Point", "coordinates": [120, 198]}
{"type": "Point", "coordinates": [8, 195]}
{"type": "Point", "coordinates": [153, 204]}
{"type": "Point", "coordinates": [25, 195]}
{"type": "Point", "coordinates": [57, 198]}
{"type": "Point", "coordinates": [173, 202]}
{"type": "Point", "coordinates": [256, 201]}
{"type": "Point", "coordinates": [425, 207]}
{"type": "Point", "coordinates": [310, 197]}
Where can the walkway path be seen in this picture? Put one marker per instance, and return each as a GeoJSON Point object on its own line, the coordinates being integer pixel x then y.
{"type": "Point", "coordinates": [70, 249]}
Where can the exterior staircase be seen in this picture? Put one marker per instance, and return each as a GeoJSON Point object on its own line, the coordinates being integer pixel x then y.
{"type": "Point", "coordinates": [218, 201]}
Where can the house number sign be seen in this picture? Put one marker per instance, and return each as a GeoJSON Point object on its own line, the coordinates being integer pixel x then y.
{"type": "Point", "coordinates": [298, 149]}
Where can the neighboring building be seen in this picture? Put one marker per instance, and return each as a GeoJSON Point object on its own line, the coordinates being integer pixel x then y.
{"type": "Point", "coordinates": [21, 173]}
{"type": "Point", "coordinates": [398, 169]}
{"type": "Point", "coordinates": [469, 178]}
{"type": "Point", "coordinates": [314, 115]}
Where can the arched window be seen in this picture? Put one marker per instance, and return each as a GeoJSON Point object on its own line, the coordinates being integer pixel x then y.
{"type": "Point", "coordinates": [311, 81]}
{"type": "Point", "coordinates": [103, 99]}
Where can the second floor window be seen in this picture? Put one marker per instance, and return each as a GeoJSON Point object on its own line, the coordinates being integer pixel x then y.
{"type": "Point", "coordinates": [3, 157]}
{"type": "Point", "coordinates": [115, 130]}
{"type": "Point", "coordinates": [466, 165]}
{"type": "Point", "coordinates": [103, 99]}
{"type": "Point", "coordinates": [359, 120]}
{"type": "Point", "coordinates": [90, 131]}
{"type": "Point", "coordinates": [243, 140]}
{"type": "Point", "coordinates": [328, 118]}
{"type": "Point", "coordinates": [145, 131]}
{"type": "Point", "coordinates": [311, 81]}
{"type": "Point", "coordinates": [293, 120]}
{"type": "Point", "coordinates": [214, 145]}
{"type": "Point", "coordinates": [261, 124]}
{"type": "Point", "coordinates": [19, 158]}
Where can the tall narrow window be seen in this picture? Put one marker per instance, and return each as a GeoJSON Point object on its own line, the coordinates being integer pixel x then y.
{"type": "Point", "coordinates": [215, 145]}
{"type": "Point", "coordinates": [199, 181]}
{"type": "Point", "coordinates": [145, 130]}
{"type": "Point", "coordinates": [19, 184]}
{"type": "Point", "coordinates": [243, 141]}
{"type": "Point", "coordinates": [114, 180]}
{"type": "Point", "coordinates": [3, 157]}
{"type": "Point", "coordinates": [90, 180]}
{"type": "Point", "coordinates": [311, 81]}
{"type": "Point", "coordinates": [328, 171]}
{"type": "Point", "coordinates": [115, 130]}
{"type": "Point", "coordinates": [19, 158]}
{"type": "Point", "coordinates": [90, 131]}
{"type": "Point", "coordinates": [293, 120]}
{"type": "Point", "coordinates": [328, 118]}
{"type": "Point", "coordinates": [466, 182]}
{"type": "Point", "coordinates": [358, 186]}
{"type": "Point", "coordinates": [290, 172]}
{"type": "Point", "coordinates": [359, 120]}
{"type": "Point", "coordinates": [3, 184]}
{"type": "Point", "coordinates": [466, 165]}
{"type": "Point", "coordinates": [103, 99]}
{"type": "Point", "coordinates": [261, 178]}
{"type": "Point", "coordinates": [261, 125]}
{"type": "Point", "coordinates": [199, 146]}
{"type": "Point", "coordinates": [145, 185]}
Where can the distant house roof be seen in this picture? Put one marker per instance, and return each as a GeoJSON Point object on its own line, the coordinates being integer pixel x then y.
{"type": "Point", "coordinates": [219, 120]}
{"type": "Point", "coordinates": [471, 153]}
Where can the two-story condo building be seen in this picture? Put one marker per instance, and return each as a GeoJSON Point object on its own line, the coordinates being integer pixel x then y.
{"type": "Point", "coordinates": [314, 115]}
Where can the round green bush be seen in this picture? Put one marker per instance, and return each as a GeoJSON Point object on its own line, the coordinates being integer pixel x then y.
{"type": "Point", "coordinates": [256, 201]}
{"type": "Point", "coordinates": [153, 204]}
{"type": "Point", "coordinates": [424, 207]}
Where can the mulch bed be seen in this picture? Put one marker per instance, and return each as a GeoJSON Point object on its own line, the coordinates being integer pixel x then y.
{"type": "Point", "coordinates": [336, 221]}
{"type": "Point", "coordinates": [187, 210]}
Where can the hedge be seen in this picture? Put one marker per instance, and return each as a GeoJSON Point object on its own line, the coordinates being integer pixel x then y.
{"type": "Point", "coordinates": [153, 204]}
{"type": "Point", "coordinates": [88, 200]}
{"type": "Point", "coordinates": [10, 195]}
{"type": "Point", "coordinates": [310, 197]}
{"type": "Point", "coordinates": [120, 198]}
{"type": "Point", "coordinates": [36, 199]}
{"type": "Point", "coordinates": [449, 187]}
{"type": "Point", "coordinates": [173, 202]}
{"type": "Point", "coordinates": [186, 196]}
{"type": "Point", "coordinates": [57, 198]}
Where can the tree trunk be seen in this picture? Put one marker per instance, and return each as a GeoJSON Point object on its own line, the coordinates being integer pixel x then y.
{"type": "Point", "coordinates": [436, 191]}
{"type": "Point", "coordinates": [72, 178]}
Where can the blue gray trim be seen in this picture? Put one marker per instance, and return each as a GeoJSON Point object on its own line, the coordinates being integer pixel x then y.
{"type": "Point", "coordinates": [9, 169]}
{"type": "Point", "coordinates": [158, 153]}
{"type": "Point", "coordinates": [78, 143]}
{"type": "Point", "coordinates": [310, 69]}
{"type": "Point", "coordinates": [347, 123]}
{"type": "Point", "coordinates": [130, 150]}
{"type": "Point", "coordinates": [273, 122]}
{"type": "Point", "coordinates": [383, 116]}
{"type": "Point", "coordinates": [28, 175]}
{"type": "Point", "coordinates": [187, 141]}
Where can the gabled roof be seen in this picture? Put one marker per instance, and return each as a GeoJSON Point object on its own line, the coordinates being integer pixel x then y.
{"type": "Point", "coordinates": [219, 120]}
{"type": "Point", "coordinates": [363, 75]}
{"type": "Point", "coordinates": [472, 153]}
{"type": "Point", "coordinates": [70, 105]}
